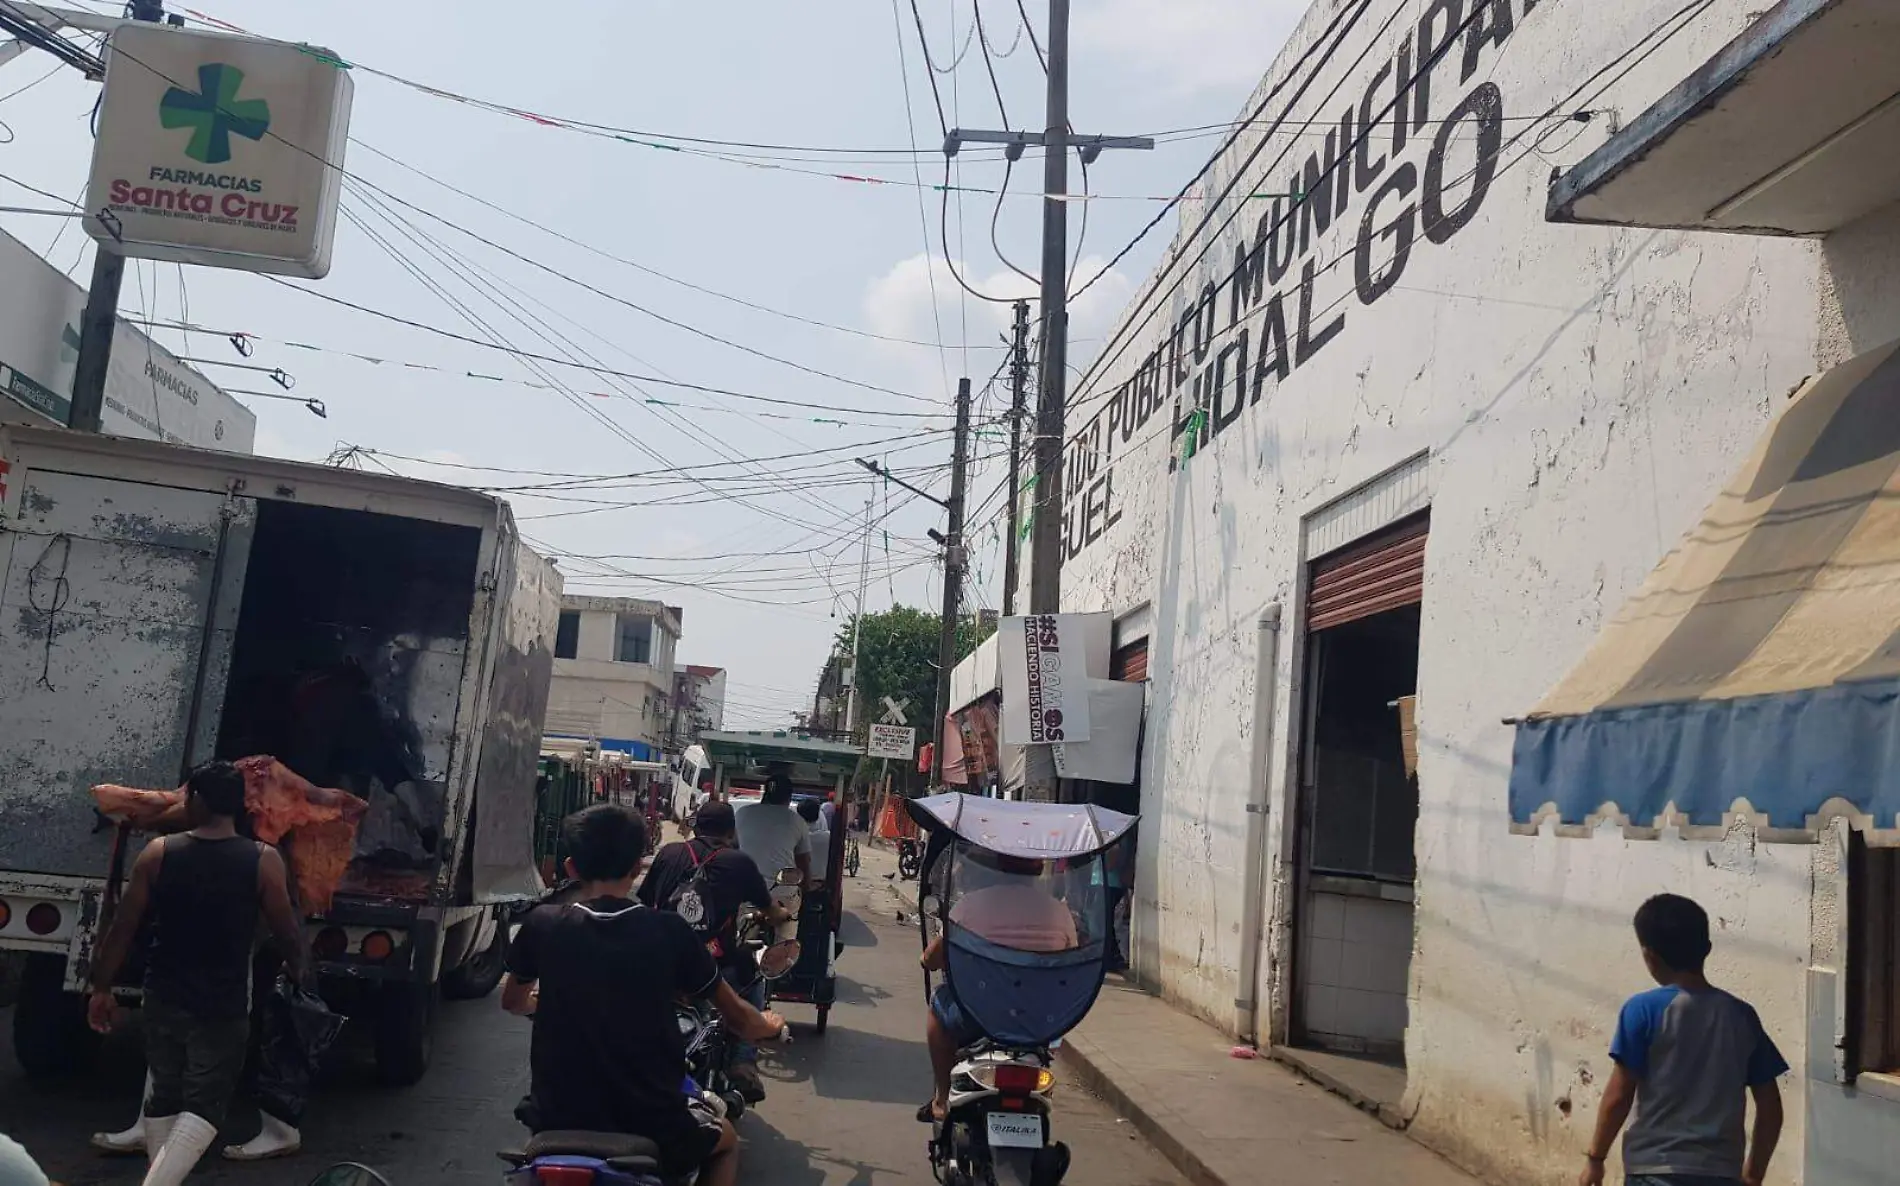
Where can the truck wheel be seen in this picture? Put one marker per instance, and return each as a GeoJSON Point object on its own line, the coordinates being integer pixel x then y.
{"type": "Point", "coordinates": [50, 1035]}
{"type": "Point", "coordinates": [480, 972]}
{"type": "Point", "coordinates": [405, 1038]}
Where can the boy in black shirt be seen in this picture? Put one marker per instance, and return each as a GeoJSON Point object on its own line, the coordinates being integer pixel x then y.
{"type": "Point", "coordinates": [727, 880]}
{"type": "Point", "coordinates": [600, 976]}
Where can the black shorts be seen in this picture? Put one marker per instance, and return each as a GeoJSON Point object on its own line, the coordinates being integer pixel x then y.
{"type": "Point", "coordinates": [195, 1063]}
{"type": "Point", "coordinates": [686, 1140]}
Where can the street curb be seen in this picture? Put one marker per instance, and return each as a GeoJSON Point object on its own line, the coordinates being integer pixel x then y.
{"type": "Point", "coordinates": [1179, 1154]}
{"type": "Point", "coordinates": [1385, 1113]}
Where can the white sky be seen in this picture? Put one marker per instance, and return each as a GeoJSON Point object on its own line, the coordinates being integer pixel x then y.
{"type": "Point", "coordinates": [759, 592]}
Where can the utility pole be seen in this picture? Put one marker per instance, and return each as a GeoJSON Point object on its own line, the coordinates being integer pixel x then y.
{"type": "Point", "coordinates": [101, 317]}
{"type": "Point", "coordinates": [1056, 141]}
{"type": "Point", "coordinates": [1045, 572]}
{"type": "Point", "coordinates": [954, 561]}
{"type": "Point", "coordinates": [952, 578]}
{"type": "Point", "coordinates": [1018, 378]}
{"type": "Point", "coordinates": [857, 619]}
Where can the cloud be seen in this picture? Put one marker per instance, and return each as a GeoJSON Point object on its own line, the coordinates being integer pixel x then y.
{"type": "Point", "coordinates": [899, 304]}
{"type": "Point", "coordinates": [1189, 45]}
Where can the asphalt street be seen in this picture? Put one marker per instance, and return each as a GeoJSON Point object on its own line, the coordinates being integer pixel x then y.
{"type": "Point", "coordinates": [840, 1113]}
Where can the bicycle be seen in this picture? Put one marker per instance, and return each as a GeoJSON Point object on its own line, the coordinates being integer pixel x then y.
{"type": "Point", "coordinates": [853, 861]}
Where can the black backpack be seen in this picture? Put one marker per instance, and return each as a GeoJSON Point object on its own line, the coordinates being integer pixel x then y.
{"type": "Point", "coordinates": [691, 901]}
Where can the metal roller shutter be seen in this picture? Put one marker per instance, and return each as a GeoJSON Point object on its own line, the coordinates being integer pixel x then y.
{"type": "Point", "coordinates": [1130, 663]}
{"type": "Point", "coordinates": [1382, 572]}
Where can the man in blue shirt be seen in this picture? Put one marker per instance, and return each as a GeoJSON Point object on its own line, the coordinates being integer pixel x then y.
{"type": "Point", "coordinates": [1687, 1056]}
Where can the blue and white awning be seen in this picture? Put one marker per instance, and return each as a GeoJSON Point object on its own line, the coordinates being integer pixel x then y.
{"type": "Point", "coordinates": [1759, 665]}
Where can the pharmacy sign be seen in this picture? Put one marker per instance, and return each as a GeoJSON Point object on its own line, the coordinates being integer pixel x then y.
{"type": "Point", "coordinates": [219, 150]}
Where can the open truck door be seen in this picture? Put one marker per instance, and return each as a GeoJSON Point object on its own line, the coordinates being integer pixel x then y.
{"type": "Point", "coordinates": [117, 609]}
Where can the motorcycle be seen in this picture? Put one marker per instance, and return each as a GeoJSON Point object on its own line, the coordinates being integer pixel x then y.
{"type": "Point", "coordinates": [998, 1129]}
{"type": "Point", "coordinates": [909, 858]}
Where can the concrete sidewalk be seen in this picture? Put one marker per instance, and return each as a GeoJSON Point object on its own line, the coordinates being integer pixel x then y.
{"type": "Point", "coordinates": [1224, 1121]}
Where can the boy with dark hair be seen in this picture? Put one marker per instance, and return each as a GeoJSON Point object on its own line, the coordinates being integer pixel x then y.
{"type": "Point", "coordinates": [600, 974]}
{"type": "Point", "coordinates": [707, 880]}
{"type": "Point", "coordinates": [1687, 1054]}
{"type": "Point", "coordinates": [203, 890]}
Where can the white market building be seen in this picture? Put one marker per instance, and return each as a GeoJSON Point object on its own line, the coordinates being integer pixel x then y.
{"type": "Point", "coordinates": [1391, 436]}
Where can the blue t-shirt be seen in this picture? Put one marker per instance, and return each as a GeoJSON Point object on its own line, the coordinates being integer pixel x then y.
{"type": "Point", "coordinates": [1694, 1055]}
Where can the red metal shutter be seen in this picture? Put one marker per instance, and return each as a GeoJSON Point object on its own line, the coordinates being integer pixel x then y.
{"type": "Point", "coordinates": [1383, 572]}
{"type": "Point", "coordinates": [1130, 663]}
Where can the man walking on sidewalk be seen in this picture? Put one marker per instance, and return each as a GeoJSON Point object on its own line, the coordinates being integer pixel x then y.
{"type": "Point", "coordinates": [203, 891]}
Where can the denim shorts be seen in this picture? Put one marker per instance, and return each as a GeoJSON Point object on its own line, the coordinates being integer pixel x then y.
{"type": "Point", "coordinates": [949, 1011]}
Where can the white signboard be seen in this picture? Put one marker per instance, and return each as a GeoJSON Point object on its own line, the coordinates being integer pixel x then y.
{"type": "Point", "coordinates": [1110, 752]}
{"type": "Point", "coordinates": [893, 741]}
{"type": "Point", "coordinates": [149, 393]}
{"type": "Point", "coordinates": [219, 150]}
{"type": "Point", "coordinates": [1044, 673]}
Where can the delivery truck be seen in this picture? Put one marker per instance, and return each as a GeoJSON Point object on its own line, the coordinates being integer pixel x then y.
{"type": "Point", "coordinates": [162, 606]}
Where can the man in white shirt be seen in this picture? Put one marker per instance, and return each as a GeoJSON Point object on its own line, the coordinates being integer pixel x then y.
{"type": "Point", "coordinates": [771, 832]}
{"type": "Point", "coordinates": [820, 837]}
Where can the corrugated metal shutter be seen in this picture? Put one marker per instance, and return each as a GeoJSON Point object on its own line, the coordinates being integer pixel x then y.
{"type": "Point", "coordinates": [1384, 572]}
{"type": "Point", "coordinates": [1130, 663]}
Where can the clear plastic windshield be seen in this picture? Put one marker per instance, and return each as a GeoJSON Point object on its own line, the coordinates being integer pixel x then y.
{"type": "Point", "coordinates": [1021, 905]}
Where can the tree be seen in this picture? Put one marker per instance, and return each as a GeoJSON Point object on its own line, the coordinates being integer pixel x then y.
{"type": "Point", "coordinates": [897, 657]}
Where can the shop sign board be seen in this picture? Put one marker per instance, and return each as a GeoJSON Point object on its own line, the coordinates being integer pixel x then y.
{"type": "Point", "coordinates": [219, 150]}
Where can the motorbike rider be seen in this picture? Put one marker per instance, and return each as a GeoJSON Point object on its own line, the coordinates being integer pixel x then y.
{"type": "Point", "coordinates": [607, 1055]}
{"type": "Point", "coordinates": [1013, 911]}
{"type": "Point", "coordinates": [771, 832]}
{"type": "Point", "coordinates": [724, 881]}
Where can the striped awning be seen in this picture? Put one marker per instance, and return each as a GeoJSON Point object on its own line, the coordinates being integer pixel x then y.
{"type": "Point", "coordinates": [1760, 661]}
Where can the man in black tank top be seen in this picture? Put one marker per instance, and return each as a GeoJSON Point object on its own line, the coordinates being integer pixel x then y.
{"type": "Point", "coordinates": [203, 891]}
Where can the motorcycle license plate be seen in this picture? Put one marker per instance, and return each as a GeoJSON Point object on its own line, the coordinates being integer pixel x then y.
{"type": "Point", "coordinates": [1009, 1130]}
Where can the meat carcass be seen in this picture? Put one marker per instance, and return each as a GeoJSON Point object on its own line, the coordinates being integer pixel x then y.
{"type": "Point", "coordinates": [320, 822]}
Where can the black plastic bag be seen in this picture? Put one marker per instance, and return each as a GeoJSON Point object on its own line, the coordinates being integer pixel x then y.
{"type": "Point", "coordinates": [297, 1029]}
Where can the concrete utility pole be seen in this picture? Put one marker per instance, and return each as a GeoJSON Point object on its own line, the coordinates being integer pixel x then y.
{"type": "Point", "coordinates": [857, 619]}
{"type": "Point", "coordinates": [1018, 379]}
{"type": "Point", "coordinates": [953, 563]}
{"type": "Point", "coordinates": [97, 323]}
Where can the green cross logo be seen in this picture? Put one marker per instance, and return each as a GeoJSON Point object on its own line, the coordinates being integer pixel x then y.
{"type": "Point", "coordinates": [213, 113]}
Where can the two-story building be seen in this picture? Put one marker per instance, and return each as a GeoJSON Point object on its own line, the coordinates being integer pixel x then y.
{"type": "Point", "coordinates": [613, 673]}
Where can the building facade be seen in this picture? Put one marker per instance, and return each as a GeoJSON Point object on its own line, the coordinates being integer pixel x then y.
{"type": "Point", "coordinates": [1372, 460]}
{"type": "Point", "coordinates": [613, 673]}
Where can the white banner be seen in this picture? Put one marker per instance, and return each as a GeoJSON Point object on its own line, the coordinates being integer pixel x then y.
{"type": "Point", "coordinates": [219, 150]}
{"type": "Point", "coordinates": [1110, 753]}
{"type": "Point", "coordinates": [1044, 672]}
{"type": "Point", "coordinates": [893, 741]}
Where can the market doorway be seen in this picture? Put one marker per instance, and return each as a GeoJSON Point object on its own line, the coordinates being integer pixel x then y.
{"type": "Point", "coordinates": [1359, 797]}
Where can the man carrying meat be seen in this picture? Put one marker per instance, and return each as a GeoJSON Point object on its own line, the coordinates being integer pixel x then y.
{"type": "Point", "coordinates": [203, 892]}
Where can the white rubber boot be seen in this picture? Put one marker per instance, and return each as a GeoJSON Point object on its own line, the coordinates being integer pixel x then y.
{"type": "Point", "coordinates": [157, 1130]}
{"type": "Point", "coordinates": [274, 1139]}
{"type": "Point", "coordinates": [132, 1140]}
{"type": "Point", "coordinates": [191, 1135]}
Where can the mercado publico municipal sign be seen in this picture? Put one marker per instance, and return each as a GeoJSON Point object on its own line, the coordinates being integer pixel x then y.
{"type": "Point", "coordinates": [219, 150]}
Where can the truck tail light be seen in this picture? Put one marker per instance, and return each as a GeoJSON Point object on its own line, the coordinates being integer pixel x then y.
{"type": "Point", "coordinates": [378, 946]}
{"type": "Point", "coordinates": [6, 914]}
{"type": "Point", "coordinates": [43, 919]}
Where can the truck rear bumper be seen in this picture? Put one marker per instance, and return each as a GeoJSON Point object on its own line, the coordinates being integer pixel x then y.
{"type": "Point", "coordinates": [52, 915]}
